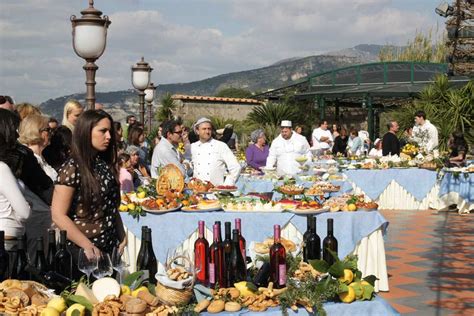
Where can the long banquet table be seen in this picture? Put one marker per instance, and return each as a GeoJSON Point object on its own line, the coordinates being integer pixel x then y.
{"type": "Point", "coordinates": [357, 232]}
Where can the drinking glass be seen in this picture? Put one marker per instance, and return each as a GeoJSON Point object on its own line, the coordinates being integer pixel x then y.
{"type": "Point", "coordinates": [120, 261]}
{"type": "Point", "coordinates": [104, 266]}
{"type": "Point", "coordinates": [86, 265]}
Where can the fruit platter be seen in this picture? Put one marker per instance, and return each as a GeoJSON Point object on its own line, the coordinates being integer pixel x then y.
{"type": "Point", "coordinates": [350, 203]}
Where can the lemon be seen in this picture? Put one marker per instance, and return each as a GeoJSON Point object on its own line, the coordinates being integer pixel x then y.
{"type": "Point", "coordinates": [131, 206]}
{"type": "Point", "coordinates": [49, 311]}
{"type": "Point", "coordinates": [58, 303]}
{"type": "Point", "coordinates": [348, 276]}
{"type": "Point", "coordinates": [141, 288]}
{"type": "Point", "coordinates": [358, 289]}
{"type": "Point", "coordinates": [243, 289]}
{"type": "Point", "coordinates": [349, 296]}
{"type": "Point", "coordinates": [123, 208]}
{"type": "Point", "coordinates": [76, 307]}
{"type": "Point", "coordinates": [351, 207]}
{"type": "Point", "coordinates": [125, 290]}
{"type": "Point", "coordinates": [141, 195]}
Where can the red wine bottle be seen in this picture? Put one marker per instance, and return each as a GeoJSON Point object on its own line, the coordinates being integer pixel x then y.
{"type": "Point", "coordinates": [216, 259]}
{"type": "Point", "coordinates": [40, 260]}
{"type": "Point", "coordinates": [312, 243]}
{"type": "Point", "coordinates": [51, 249]}
{"type": "Point", "coordinates": [4, 258]}
{"type": "Point", "coordinates": [330, 242]}
{"type": "Point", "coordinates": [242, 245]}
{"type": "Point", "coordinates": [142, 245]}
{"type": "Point", "coordinates": [148, 262]}
{"type": "Point", "coordinates": [201, 256]}
{"type": "Point", "coordinates": [20, 264]}
{"type": "Point", "coordinates": [63, 258]}
{"type": "Point", "coordinates": [237, 265]}
{"type": "Point", "coordinates": [227, 247]}
{"type": "Point", "coordinates": [262, 276]}
{"type": "Point", "coordinates": [277, 260]}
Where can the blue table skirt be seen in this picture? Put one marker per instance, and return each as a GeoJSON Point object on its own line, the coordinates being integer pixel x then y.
{"type": "Point", "coordinates": [377, 307]}
{"type": "Point", "coordinates": [459, 184]}
{"type": "Point", "coordinates": [418, 182]}
{"type": "Point", "coordinates": [171, 229]}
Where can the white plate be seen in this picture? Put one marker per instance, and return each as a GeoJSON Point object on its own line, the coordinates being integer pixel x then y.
{"type": "Point", "coordinates": [253, 211]}
{"type": "Point", "coordinates": [311, 211]}
{"type": "Point", "coordinates": [152, 211]}
{"type": "Point", "coordinates": [198, 210]}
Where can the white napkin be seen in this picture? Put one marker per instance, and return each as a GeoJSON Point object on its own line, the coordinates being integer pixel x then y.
{"type": "Point", "coordinates": [162, 277]}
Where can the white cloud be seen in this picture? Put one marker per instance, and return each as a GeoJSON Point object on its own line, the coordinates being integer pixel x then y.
{"type": "Point", "coordinates": [38, 61]}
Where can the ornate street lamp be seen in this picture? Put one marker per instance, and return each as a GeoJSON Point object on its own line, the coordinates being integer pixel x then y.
{"type": "Point", "coordinates": [140, 81]}
{"type": "Point", "coordinates": [149, 97]}
{"type": "Point", "coordinates": [89, 37]}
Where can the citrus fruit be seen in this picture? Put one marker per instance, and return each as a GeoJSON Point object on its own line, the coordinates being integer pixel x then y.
{"type": "Point", "coordinates": [349, 296]}
{"type": "Point", "coordinates": [348, 276]}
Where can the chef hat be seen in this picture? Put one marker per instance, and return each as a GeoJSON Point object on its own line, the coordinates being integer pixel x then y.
{"type": "Point", "coordinates": [200, 121]}
{"type": "Point", "coordinates": [377, 141]}
{"type": "Point", "coordinates": [285, 123]}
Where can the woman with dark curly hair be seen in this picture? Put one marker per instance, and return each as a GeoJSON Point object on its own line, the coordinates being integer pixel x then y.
{"type": "Point", "coordinates": [459, 149]}
{"type": "Point", "coordinates": [87, 191]}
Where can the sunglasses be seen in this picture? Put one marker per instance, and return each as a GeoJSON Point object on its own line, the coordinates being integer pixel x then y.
{"type": "Point", "coordinates": [5, 99]}
{"type": "Point", "coordinates": [178, 132]}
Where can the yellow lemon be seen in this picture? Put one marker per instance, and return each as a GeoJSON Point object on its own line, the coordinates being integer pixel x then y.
{"type": "Point", "coordinates": [141, 288]}
{"type": "Point", "coordinates": [351, 207]}
{"type": "Point", "coordinates": [58, 303]}
{"type": "Point", "coordinates": [125, 290]}
{"type": "Point", "coordinates": [348, 276]}
{"type": "Point", "coordinates": [243, 289]}
{"type": "Point", "coordinates": [358, 289]}
{"type": "Point", "coordinates": [141, 195]}
{"type": "Point", "coordinates": [349, 296]}
{"type": "Point", "coordinates": [49, 311]}
{"type": "Point", "coordinates": [131, 206]}
{"type": "Point", "coordinates": [365, 283]}
{"type": "Point", "coordinates": [76, 307]}
{"type": "Point", "coordinates": [123, 208]}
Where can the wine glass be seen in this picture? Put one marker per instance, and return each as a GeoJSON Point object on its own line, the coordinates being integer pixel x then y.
{"type": "Point", "coordinates": [104, 266]}
{"type": "Point", "coordinates": [120, 261]}
{"type": "Point", "coordinates": [86, 265]}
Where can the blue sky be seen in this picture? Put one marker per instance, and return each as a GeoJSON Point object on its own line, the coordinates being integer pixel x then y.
{"type": "Point", "coordinates": [190, 40]}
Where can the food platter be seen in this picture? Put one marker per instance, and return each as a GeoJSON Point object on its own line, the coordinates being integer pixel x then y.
{"type": "Point", "coordinates": [310, 211]}
{"type": "Point", "coordinates": [195, 209]}
{"type": "Point", "coordinates": [224, 189]}
{"type": "Point", "coordinates": [158, 211]}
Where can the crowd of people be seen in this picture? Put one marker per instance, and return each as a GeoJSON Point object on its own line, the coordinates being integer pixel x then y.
{"type": "Point", "coordinates": [70, 176]}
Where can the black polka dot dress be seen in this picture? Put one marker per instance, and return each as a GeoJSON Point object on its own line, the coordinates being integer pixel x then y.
{"type": "Point", "coordinates": [99, 225]}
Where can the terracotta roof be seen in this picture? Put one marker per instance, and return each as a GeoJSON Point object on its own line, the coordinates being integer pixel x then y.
{"type": "Point", "coordinates": [213, 99]}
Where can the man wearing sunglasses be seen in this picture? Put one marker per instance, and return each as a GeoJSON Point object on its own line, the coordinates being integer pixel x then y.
{"type": "Point", "coordinates": [166, 151]}
{"type": "Point", "coordinates": [7, 103]}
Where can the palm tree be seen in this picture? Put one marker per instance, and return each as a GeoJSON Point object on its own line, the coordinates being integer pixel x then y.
{"type": "Point", "coordinates": [272, 114]}
{"type": "Point", "coordinates": [165, 111]}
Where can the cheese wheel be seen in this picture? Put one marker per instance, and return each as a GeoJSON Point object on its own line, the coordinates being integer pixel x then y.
{"type": "Point", "coordinates": [105, 287]}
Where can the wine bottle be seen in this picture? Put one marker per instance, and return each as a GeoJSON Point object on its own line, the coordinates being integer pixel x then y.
{"type": "Point", "coordinates": [237, 266]}
{"type": "Point", "coordinates": [51, 249]}
{"type": "Point", "coordinates": [51, 279]}
{"type": "Point", "coordinates": [40, 260]}
{"type": "Point", "coordinates": [227, 247]}
{"type": "Point", "coordinates": [201, 256]}
{"type": "Point", "coordinates": [20, 263]}
{"type": "Point", "coordinates": [261, 278]}
{"type": "Point", "coordinates": [312, 249]}
{"type": "Point", "coordinates": [63, 258]}
{"type": "Point", "coordinates": [242, 244]}
{"type": "Point", "coordinates": [148, 262]}
{"type": "Point", "coordinates": [4, 258]}
{"type": "Point", "coordinates": [216, 259]}
{"type": "Point", "coordinates": [277, 260]}
{"type": "Point", "coordinates": [330, 242]}
{"type": "Point", "coordinates": [308, 227]}
{"type": "Point", "coordinates": [142, 245]}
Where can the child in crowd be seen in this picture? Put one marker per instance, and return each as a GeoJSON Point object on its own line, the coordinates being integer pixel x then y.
{"type": "Point", "coordinates": [126, 179]}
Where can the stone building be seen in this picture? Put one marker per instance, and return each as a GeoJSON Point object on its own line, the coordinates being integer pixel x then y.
{"type": "Point", "coordinates": [191, 107]}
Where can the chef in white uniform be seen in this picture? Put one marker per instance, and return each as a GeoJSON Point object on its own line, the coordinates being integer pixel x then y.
{"type": "Point", "coordinates": [286, 148]}
{"type": "Point", "coordinates": [212, 158]}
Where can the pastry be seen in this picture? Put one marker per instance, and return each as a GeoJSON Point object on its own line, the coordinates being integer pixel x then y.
{"type": "Point", "coordinates": [170, 178]}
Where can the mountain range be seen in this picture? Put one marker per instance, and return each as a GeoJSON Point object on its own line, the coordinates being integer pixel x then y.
{"type": "Point", "coordinates": [122, 103]}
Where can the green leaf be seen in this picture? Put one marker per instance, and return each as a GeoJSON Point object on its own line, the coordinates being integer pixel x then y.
{"type": "Point", "coordinates": [334, 255]}
{"type": "Point", "coordinates": [252, 287]}
{"type": "Point", "coordinates": [319, 265]}
{"type": "Point", "coordinates": [337, 269]}
{"type": "Point", "coordinates": [371, 279]}
{"type": "Point", "coordinates": [357, 276]}
{"type": "Point", "coordinates": [151, 288]}
{"type": "Point", "coordinates": [132, 278]}
{"type": "Point", "coordinates": [342, 288]}
{"type": "Point", "coordinates": [368, 292]}
{"type": "Point", "coordinates": [79, 299]}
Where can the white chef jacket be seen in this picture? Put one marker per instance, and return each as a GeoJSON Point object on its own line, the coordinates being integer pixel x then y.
{"type": "Point", "coordinates": [284, 152]}
{"type": "Point", "coordinates": [212, 159]}
{"type": "Point", "coordinates": [426, 136]}
{"type": "Point", "coordinates": [317, 134]}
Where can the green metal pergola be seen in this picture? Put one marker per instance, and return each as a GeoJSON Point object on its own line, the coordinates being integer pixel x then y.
{"type": "Point", "coordinates": [372, 86]}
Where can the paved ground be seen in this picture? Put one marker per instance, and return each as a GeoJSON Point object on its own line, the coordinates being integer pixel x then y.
{"type": "Point", "coordinates": [430, 259]}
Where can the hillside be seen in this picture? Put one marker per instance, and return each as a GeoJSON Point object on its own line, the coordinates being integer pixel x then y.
{"type": "Point", "coordinates": [122, 103]}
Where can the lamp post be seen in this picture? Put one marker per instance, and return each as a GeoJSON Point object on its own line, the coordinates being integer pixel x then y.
{"type": "Point", "coordinates": [140, 81]}
{"type": "Point", "coordinates": [149, 97]}
{"type": "Point", "coordinates": [89, 37]}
